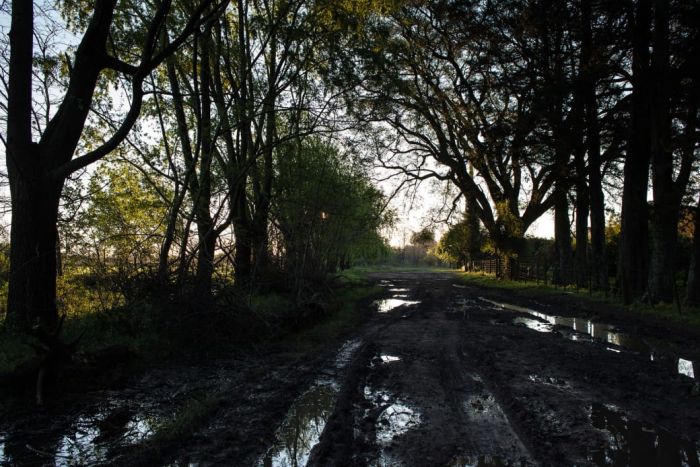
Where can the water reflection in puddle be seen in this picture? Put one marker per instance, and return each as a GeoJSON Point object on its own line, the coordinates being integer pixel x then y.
{"type": "Point", "coordinates": [302, 428]}
{"type": "Point", "coordinates": [630, 442]}
{"type": "Point", "coordinates": [80, 447]}
{"type": "Point", "coordinates": [2, 449]}
{"type": "Point", "coordinates": [395, 418]}
{"type": "Point", "coordinates": [91, 437]}
{"type": "Point", "coordinates": [394, 421]}
{"type": "Point", "coordinates": [685, 367]}
{"type": "Point", "coordinates": [533, 324]}
{"type": "Point", "coordinates": [345, 353]}
{"type": "Point", "coordinates": [383, 359]}
{"type": "Point", "coordinates": [388, 304]}
{"type": "Point", "coordinates": [389, 358]}
{"type": "Point", "coordinates": [399, 289]}
{"type": "Point", "coordinates": [584, 329]}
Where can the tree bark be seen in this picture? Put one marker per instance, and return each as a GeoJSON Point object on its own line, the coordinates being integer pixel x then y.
{"type": "Point", "coordinates": [598, 260]}
{"type": "Point", "coordinates": [692, 290]}
{"type": "Point", "coordinates": [582, 211]}
{"type": "Point", "coordinates": [562, 237]}
{"type": "Point", "coordinates": [205, 224]}
{"type": "Point", "coordinates": [633, 256]}
{"type": "Point", "coordinates": [668, 193]}
{"type": "Point", "coordinates": [33, 267]}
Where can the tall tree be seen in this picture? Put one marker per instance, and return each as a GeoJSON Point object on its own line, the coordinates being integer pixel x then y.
{"type": "Point", "coordinates": [673, 153]}
{"type": "Point", "coordinates": [38, 170]}
{"type": "Point", "coordinates": [633, 257]}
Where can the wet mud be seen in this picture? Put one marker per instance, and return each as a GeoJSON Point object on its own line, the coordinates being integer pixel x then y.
{"type": "Point", "coordinates": [440, 374]}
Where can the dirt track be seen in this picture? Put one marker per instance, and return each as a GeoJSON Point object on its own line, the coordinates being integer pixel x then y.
{"type": "Point", "coordinates": [439, 375]}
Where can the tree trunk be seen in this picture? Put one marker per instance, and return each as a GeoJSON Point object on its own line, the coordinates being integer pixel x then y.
{"type": "Point", "coordinates": [667, 193]}
{"type": "Point", "coordinates": [692, 291]}
{"type": "Point", "coordinates": [633, 256]}
{"type": "Point", "coordinates": [562, 237]}
{"type": "Point", "coordinates": [32, 291]}
{"type": "Point", "coordinates": [241, 229]}
{"type": "Point", "coordinates": [582, 210]}
{"type": "Point", "coordinates": [205, 224]}
{"type": "Point", "coordinates": [598, 261]}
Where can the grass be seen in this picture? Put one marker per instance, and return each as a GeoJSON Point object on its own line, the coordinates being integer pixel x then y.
{"type": "Point", "coordinates": [14, 350]}
{"type": "Point", "coordinates": [360, 274]}
{"type": "Point", "coordinates": [342, 318]}
{"type": "Point", "coordinates": [157, 331]}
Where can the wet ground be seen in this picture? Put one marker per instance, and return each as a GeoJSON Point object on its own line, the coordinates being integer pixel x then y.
{"type": "Point", "coordinates": [441, 374]}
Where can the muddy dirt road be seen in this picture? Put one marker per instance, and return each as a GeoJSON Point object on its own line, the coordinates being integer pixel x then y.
{"type": "Point", "coordinates": [446, 374]}
{"type": "Point", "coordinates": [441, 374]}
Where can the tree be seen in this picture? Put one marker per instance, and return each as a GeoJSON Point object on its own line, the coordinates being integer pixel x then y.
{"type": "Point", "coordinates": [38, 170]}
{"type": "Point", "coordinates": [458, 86]}
{"type": "Point", "coordinates": [692, 296]}
{"type": "Point", "coordinates": [425, 237]}
{"type": "Point", "coordinates": [324, 210]}
{"type": "Point", "coordinates": [461, 243]}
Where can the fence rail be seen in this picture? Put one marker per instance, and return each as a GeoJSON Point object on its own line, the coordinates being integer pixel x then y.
{"type": "Point", "coordinates": [518, 270]}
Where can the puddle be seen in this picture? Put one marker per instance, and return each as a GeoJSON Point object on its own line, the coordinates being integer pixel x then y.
{"type": "Point", "coordinates": [389, 358]}
{"type": "Point", "coordinates": [459, 286]}
{"type": "Point", "coordinates": [91, 437]}
{"type": "Point", "coordinates": [2, 449]}
{"type": "Point", "coordinates": [345, 353]}
{"type": "Point", "coordinates": [140, 428]}
{"type": "Point", "coordinates": [81, 446]}
{"type": "Point", "coordinates": [481, 461]}
{"type": "Point", "coordinates": [383, 359]}
{"type": "Point", "coordinates": [301, 429]}
{"type": "Point", "coordinates": [307, 417]}
{"type": "Point", "coordinates": [685, 367]}
{"type": "Point", "coordinates": [395, 419]}
{"type": "Point", "coordinates": [388, 304]}
{"type": "Point", "coordinates": [538, 326]}
{"type": "Point", "coordinates": [400, 289]}
{"type": "Point", "coordinates": [630, 442]}
{"type": "Point", "coordinates": [586, 330]}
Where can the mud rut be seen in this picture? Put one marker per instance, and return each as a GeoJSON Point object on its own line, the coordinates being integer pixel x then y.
{"type": "Point", "coordinates": [439, 375]}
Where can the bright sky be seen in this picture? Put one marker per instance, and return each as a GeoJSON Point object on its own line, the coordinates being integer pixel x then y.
{"type": "Point", "coordinates": [413, 218]}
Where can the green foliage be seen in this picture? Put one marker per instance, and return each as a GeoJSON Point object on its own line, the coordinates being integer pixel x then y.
{"type": "Point", "coordinates": [460, 243]}
{"type": "Point", "coordinates": [424, 237]}
{"type": "Point", "coordinates": [326, 211]}
{"type": "Point", "coordinates": [112, 240]}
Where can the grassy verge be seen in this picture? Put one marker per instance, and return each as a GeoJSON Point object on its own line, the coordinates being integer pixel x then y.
{"type": "Point", "coordinates": [360, 274]}
{"type": "Point", "coordinates": [666, 311]}
{"type": "Point", "coordinates": [342, 318]}
{"type": "Point", "coordinates": [159, 331]}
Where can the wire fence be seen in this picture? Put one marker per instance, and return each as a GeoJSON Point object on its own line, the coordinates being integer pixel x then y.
{"type": "Point", "coordinates": [539, 270]}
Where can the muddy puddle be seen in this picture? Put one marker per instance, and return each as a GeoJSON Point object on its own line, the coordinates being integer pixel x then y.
{"type": "Point", "coordinates": [302, 428]}
{"type": "Point", "coordinates": [92, 438]}
{"type": "Point", "coordinates": [395, 416]}
{"type": "Point", "coordinates": [388, 304]}
{"type": "Point", "coordinates": [303, 425]}
{"type": "Point", "coordinates": [630, 442]}
{"type": "Point", "coordinates": [584, 330]}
